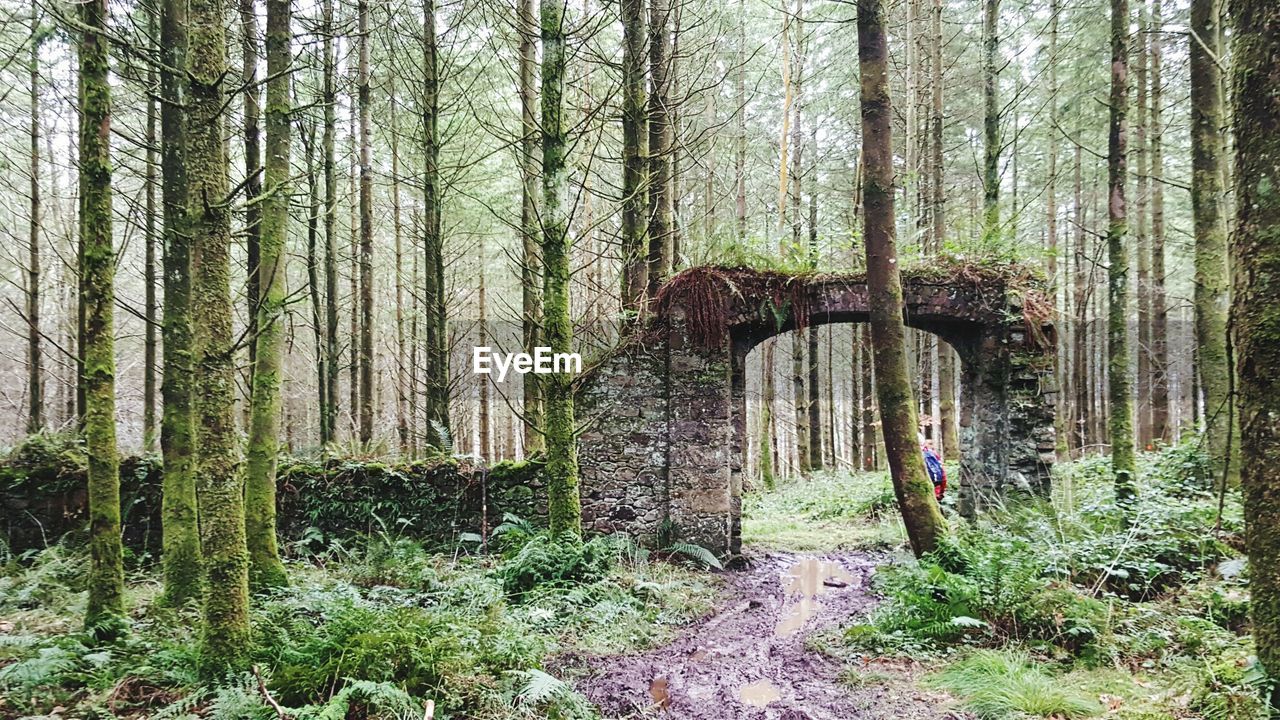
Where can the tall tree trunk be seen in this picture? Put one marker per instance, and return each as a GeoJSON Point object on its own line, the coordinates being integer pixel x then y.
{"type": "Point", "coordinates": [403, 388]}
{"type": "Point", "coordinates": [530, 233]}
{"type": "Point", "coordinates": [1080, 339]}
{"type": "Point", "coordinates": [950, 444]}
{"type": "Point", "coordinates": [659, 262]}
{"type": "Point", "coordinates": [740, 123]}
{"type": "Point", "coordinates": [1120, 381]}
{"type": "Point", "coordinates": [250, 93]}
{"type": "Point", "coordinates": [265, 568]}
{"type": "Point", "coordinates": [35, 361]}
{"type": "Point", "coordinates": [814, 404]}
{"type": "Point", "coordinates": [366, 230]}
{"type": "Point", "coordinates": [315, 205]}
{"type": "Point", "coordinates": [767, 476]}
{"type": "Point", "coordinates": [183, 567]}
{"type": "Point", "coordinates": [1208, 145]}
{"type": "Point", "coordinates": [149, 236]}
{"type": "Point", "coordinates": [486, 444]}
{"type": "Point", "coordinates": [635, 152]}
{"type": "Point", "coordinates": [225, 641]}
{"type": "Point", "coordinates": [353, 275]}
{"type": "Point", "coordinates": [1256, 317]}
{"type": "Point", "coordinates": [437, 351]}
{"type": "Point", "coordinates": [800, 400]}
{"type": "Point", "coordinates": [104, 615]}
{"type": "Point", "coordinates": [920, 514]}
{"type": "Point", "coordinates": [564, 508]}
{"type": "Point", "coordinates": [329, 413]}
{"type": "Point", "coordinates": [1159, 308]}
{"type": "Point", "coordinates": [991, 232]}
{"type": "Point", "coordinates": [1051, 224]}
{"type": "Point", "coordinates": [1142, 240]}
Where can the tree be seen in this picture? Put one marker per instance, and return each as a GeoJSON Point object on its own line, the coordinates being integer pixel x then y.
{"type": "Point", "coordinates": [366, 228]}
{"type": "Point", "coordinates": [1159, 305]}
{"type": "Point", "coordinates": [564, 508]}
{"type": "Point", "coordinates": [329, 413]}
{"type": "Point", "coordinates": [1208, 146]}
{"type": "Point", "coordinates": [530, 237]}
{"type": "Point", "coordinates": [35, 361]}
{"type": "Point", "coordinates": [104, 614]}
{"type": "Point", "coordinates": [1256, 316]}
{"type": "Point", "coordinates": [183, 568]}
{"type": "Point", "coordinates": [660, 147]}
{"type": "Point", "coordinates": [265, 568]}
{"type": "Point", "coordinates": [251, 94]}
{"type": "Point", "coordinates": [924, 523]}
{"type": "Point", "coordinates": [635, 148]}
{"type": "Point", "coordinates": [1120, 381]}
{"type": "Point", "coordinates": [437, 351]}
{"type": "Point", "coordinates": [991, 123]}
{"type": "Point", "coordinates": [225, 634]}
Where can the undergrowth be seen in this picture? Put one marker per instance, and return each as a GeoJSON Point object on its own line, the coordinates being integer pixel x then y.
{"type": "Point", "coordinates": [830, 510]}
{"type": "Point", "coordinates": [1073, 585]}
{"type": "Point", "coordinates": [365, 630]}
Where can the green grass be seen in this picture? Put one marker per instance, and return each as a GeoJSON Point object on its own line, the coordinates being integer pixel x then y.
{"type": "Point", "coordinates": [834, 510]}
{"type": "Point", "coordinates": [996, 685]}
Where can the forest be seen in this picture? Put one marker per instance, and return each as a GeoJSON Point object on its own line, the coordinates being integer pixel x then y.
{"type": "Point", "coordinates": [590, 359]}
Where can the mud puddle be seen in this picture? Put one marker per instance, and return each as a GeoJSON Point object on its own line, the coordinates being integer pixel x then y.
{"type": "Point", "coordinates": [749, 660]}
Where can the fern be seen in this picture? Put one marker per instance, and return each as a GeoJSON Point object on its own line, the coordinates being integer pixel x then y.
{"type": "Point", "coordinates": [393, 701]}
{"type": "Point", "coordinates": [539, 687]}
{"type": "Point", "coordinates": [696, 553]}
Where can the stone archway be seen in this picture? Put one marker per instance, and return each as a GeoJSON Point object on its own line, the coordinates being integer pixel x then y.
{"type": "Point", "coordinates": [662, 453]}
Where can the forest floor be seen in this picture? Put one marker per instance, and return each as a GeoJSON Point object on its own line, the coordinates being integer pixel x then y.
{"type": "Point", "coordinates": [767, 652]}
{"type": "Point", "coordinates": [773, 647]}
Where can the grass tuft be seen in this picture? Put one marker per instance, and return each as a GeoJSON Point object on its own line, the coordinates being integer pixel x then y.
{"type": "Point", "coordinates": [996, 685]}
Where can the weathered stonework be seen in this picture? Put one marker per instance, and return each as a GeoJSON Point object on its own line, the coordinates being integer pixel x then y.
{"type": "Point", "coordinates": [662, 456]}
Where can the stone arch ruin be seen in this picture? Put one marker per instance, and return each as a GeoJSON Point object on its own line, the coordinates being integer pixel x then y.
{"type": "Point", "coordinates": [662, 453]}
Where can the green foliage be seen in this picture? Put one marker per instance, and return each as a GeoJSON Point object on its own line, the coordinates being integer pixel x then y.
{"type": "Point", "coordinates": [557, 561]}
{"type": "Point", "coordinates": [827, 510]}
{"type": "Point", "coordinates": [999, 685]}
{"type": "Point", "coordinates": [1054, 574]}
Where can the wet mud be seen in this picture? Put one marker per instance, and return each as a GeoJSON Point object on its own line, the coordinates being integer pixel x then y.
{"type": "Point", "coordinates": [750, 659]}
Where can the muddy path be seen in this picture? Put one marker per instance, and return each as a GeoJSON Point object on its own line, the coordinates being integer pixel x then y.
{"type": "Point", "coordinates": [751, 660]}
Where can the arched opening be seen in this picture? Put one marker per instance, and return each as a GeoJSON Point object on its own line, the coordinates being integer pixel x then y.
{"type": "Point", "coordinates": [664, 450]}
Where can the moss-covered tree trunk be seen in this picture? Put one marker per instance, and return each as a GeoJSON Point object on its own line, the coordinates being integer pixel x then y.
{"type": "Point", "coordinates": [1256, 271]}
{"type": "Point", "coordinates": [265, 568]}
{"type": "Point", "coordinates": [104, 614]}
{"type": "Point", "coordinates": [182, 564]}
{"type": "Point", "coordinates": [1159, 302]}
{"type": "Point", "coordinates": [991, 123]}
{"type": "Point", "coordinates": [1120, 379]}
{"type": "Point", "coordinates": [437, 340]}
{"type": "Point", "coordinates": [251, 134]}
{"type": "Point", "coordinates": [563, 504]}
{"type": "Point", "coordinates": [635, 149]}
{"type": "Point", "coordinates": [660, 139]}
{"type": "Point", "coordinates": [1211, 294]}
{"type": "Point", "coordinates": [925, 525]}
{"type": "Point", "coordinates": [225, 634]}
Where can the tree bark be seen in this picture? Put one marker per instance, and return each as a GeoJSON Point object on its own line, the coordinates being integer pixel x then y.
{"type": "Point", "coordinates": [635, 151]}
{"type": "Point", "coordinates": [530, 234]}
{"type": "Point", "coordinates": [1120, 380]}
{"type": "Point", "coordinates": [251, 135]}
{"type": "Point", "coordinates": [920, 514]}
{"type": "Point", "coordinates": [564, 507]}
{"type": "Point", "coordinates": [1212, 294]}
{"type": "Point", "coordinates": [1159, 307]}
{"type": "Point", "coordinates": [991, 232]}
{"type": "Point", "coordinates": [1142, 239]}
{"type": "Point", "coordinates": [437, 340]}
{"type": "Point", "coordinates": [183, 567]}
{"type": "Point", "coordinates": [225, 637]}
{"type": "Point", "coordinates": [1256, 316]}
{"type": "Point", "coordinates": [366, 229]}
{"type": "Point", "coordinates": [329, 413]}
{"type": "Point", "coordinates": [104, 614]}
{"type": "Point", "coordinates": [35, 360]}
{"type": "Point", "coordinates": [265, 568]}
{"type": "Point", "coordinates": [660, 255]}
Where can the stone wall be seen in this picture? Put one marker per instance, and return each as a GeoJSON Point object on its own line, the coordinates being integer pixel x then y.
{"type": "Point", "coordinates": [662, 458]}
